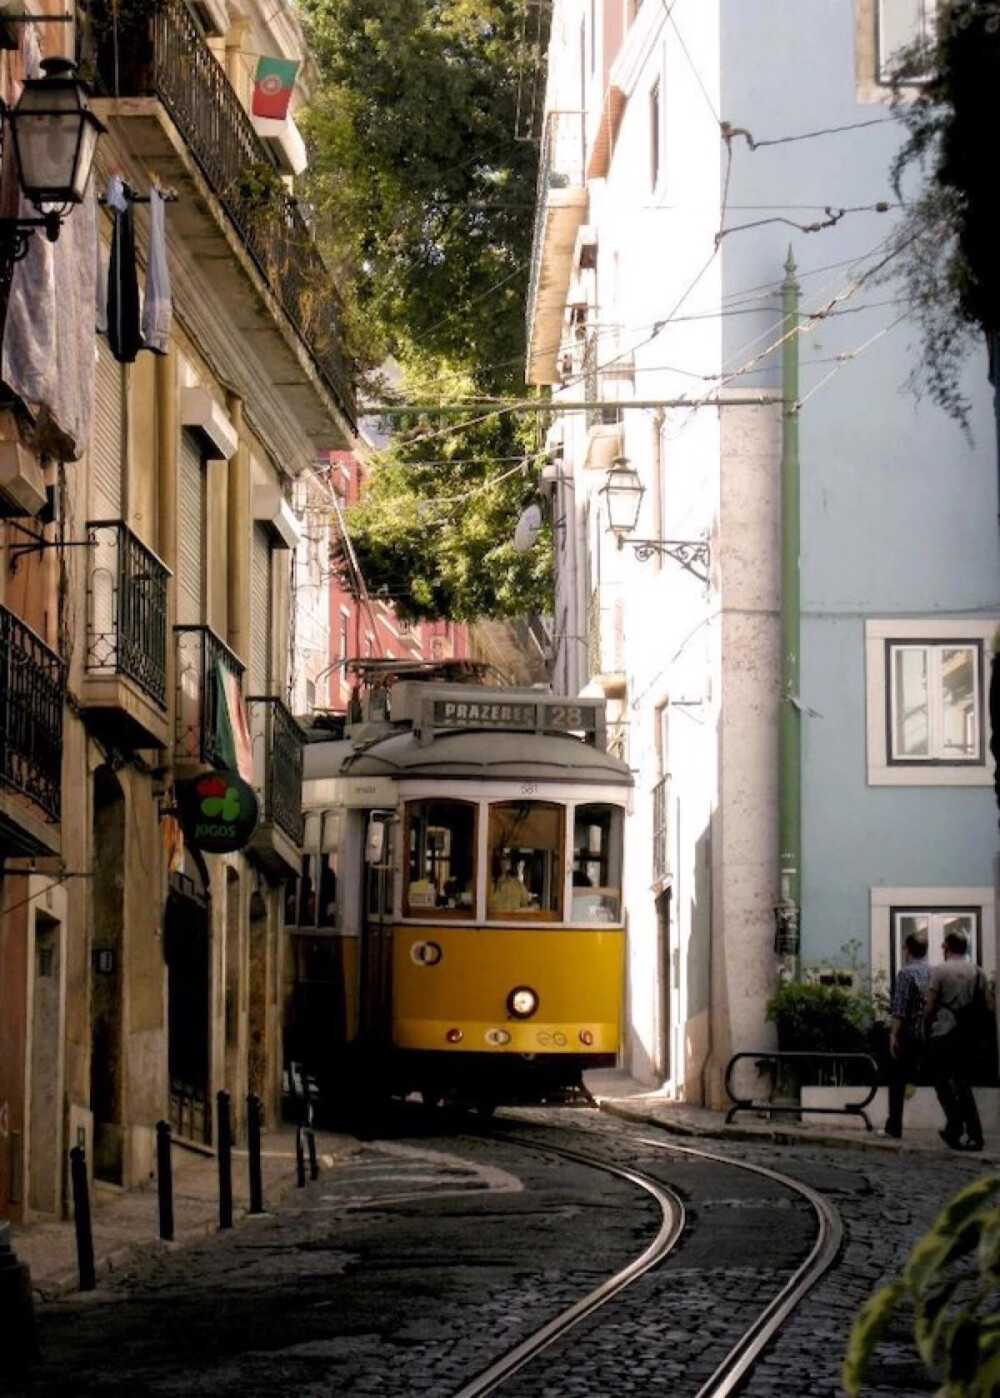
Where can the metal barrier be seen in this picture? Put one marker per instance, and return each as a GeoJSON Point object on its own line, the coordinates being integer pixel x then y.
{"type": "Point", "coordinates": [777, 1057]}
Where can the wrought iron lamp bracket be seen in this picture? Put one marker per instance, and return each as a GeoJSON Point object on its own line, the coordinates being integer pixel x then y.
{"type": "Point", "coordinates": [15, 552]}
{"type": "Point", "coordinates": [692, 554]}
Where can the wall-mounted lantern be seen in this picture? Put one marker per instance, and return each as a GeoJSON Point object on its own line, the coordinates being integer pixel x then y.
{"type": "Point", "coordinates": [623, 492]}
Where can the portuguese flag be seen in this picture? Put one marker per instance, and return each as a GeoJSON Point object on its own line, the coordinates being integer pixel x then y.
{"type": "Point", "coordinates": [272, 87]}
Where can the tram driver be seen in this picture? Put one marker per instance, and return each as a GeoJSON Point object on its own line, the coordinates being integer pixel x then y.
{"type": "Point", "coordinates": [509, 894]}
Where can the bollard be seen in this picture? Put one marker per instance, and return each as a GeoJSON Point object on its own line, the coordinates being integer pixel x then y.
{"type": "Point", "coordinates": [313, 1162]}
{"type": "Point", "coordinates": [16, 1305]}
{"type": "Point", "coordinates": [300, 1159]}
{"type": "Point", "coordinates": [81, 1218]}
{"type": "Point", "coordinates": [225, 1161]}
{"type": "Point", "coordinates": [165, 1181]}
{"type": "Point", "coordinates": [253, 1153]}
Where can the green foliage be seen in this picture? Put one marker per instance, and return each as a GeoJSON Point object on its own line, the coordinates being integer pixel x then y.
{"type": "Point", "coordinates": [945, 242]}
{"type": "Point", "coordinates": [424, 205]}
{"type": "Point", "coordinates": [817, 1018]}
{"type": "Point", "coordinates": [952, 1281]}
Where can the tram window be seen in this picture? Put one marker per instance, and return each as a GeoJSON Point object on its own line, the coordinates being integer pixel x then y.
{"type": "Point", "coordinates": [597, 863]}
{"type": "Point", "coordinates": [311, 899]}
{"type": "Point", "coordinates": [441, 862]}
{"type": "Point", "coordinates": [526, 854]}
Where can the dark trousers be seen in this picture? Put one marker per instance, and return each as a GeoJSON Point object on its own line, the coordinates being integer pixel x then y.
{"type": "Point", "coordinates": [950, 1066]}
{"type": "Point", "coordinates": [902, 1070]}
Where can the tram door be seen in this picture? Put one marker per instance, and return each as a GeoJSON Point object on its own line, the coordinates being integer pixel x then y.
{"type": "Point", "coordinates": [376, 937]}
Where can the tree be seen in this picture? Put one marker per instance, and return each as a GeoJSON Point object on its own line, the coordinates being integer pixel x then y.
{"type": "Point", "coordinates": [424, 199]}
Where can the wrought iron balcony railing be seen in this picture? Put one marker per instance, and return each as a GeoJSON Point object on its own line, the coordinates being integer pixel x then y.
{"type": "Point", "coordinates": [126, 608]}
{"type": "Point", "coordinates": [32, 687]}
{"type": "Point", "coordinates": [662, 864]}
{"type": "Point", "coordinates": [199, 652]}
{"type": "Point", "coordinates": [277, 763]}
{"type": "Point", "coordinates": [561, 165]}
{"type": "Point", "coordinates": [158, 50]}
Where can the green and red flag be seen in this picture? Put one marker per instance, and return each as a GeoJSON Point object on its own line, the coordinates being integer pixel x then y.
{"type": "Point", "coordinates": [272, 87]}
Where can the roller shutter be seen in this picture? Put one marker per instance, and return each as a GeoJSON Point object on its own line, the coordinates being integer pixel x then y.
{"type": "Point", "coordinates": [260, 611]}
{"type": "Point", "coordinates": [190, 532]}
{"type": "Point", "coordinates": [107, 438]}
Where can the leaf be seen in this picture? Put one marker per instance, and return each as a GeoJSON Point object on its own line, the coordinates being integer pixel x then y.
{"type": "Point", "coordinates": [866, 1333]}
{"type": "Point", "coordinates": [931, 1320]}
{"type": "Point", "coordinates": [956, 1226]}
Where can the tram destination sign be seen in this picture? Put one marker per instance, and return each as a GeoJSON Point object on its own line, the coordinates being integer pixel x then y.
{"type": "Point", "coordinates": [518, 715]}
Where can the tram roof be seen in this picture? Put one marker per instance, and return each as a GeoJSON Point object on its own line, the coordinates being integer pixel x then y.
{"type": "Point", "coordinates": [469, 755]}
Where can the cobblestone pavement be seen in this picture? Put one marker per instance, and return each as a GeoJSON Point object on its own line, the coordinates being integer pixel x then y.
{"type": "Point", "coordinates": [418, 1259]}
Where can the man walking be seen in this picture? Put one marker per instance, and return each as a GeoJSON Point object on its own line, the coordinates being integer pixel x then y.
{"type": "Point", "coordinates": [952, 1011]}
{"type": "Point", "coordinates": [906, 1037]}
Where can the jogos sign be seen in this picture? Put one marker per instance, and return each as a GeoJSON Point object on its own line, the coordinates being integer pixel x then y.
{"type": "Point", "coordinates": [218, 811]}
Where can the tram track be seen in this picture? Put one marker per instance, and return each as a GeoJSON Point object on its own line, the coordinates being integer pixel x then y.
{"type": "Point", "coordinates": [737, 1362]}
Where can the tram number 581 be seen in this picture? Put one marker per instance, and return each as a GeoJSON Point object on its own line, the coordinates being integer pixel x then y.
{"type": "Point", "coordinates": [528, 788]}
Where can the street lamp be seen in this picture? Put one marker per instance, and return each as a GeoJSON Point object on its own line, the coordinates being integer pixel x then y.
{"type": "Point", "coordinates": [623, 492]}
{"type": "Point", "coordinates": [55, 137]}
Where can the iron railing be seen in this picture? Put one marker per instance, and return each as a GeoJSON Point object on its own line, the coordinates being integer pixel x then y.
{"type": "Point", "coordinates": [199, 652]}
{"type": "Point", "coordinates": [277, 764]}
{"type": "Point", "coordinates": [126, 608]}
{"type": "Point", "coordinates": [32, 687]}
{"type": "Point", "coordinates": [159, 51]}
{"type": "Point", "coordinates": [561, 165]}
{"type": "Point", "coordinates": [662, 864]}
{"type": "Point", "coordinates": [595, 386]}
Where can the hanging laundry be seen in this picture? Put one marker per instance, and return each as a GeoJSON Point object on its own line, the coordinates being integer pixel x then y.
{"type": "Point", "coordinates": [124, 333]}
{"type": "Point", "coordinates": [157, 309]}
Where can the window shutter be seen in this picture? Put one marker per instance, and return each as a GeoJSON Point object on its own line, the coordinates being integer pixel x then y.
{"type": "Point", "coordinates": [190, 532]}
{"type": "Point", "coordinates": [107, 437]}
{"type": "Point", "coordinates": [260, 610]}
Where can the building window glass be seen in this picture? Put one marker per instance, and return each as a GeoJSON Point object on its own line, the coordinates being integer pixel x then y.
{"type": "Point", "coordinates": [526, 860]}
{"type": "Point", "coordinates": [935, 702]}
{"type": "Point", "coordinates": [902, 25]}
{"type": "Point", "coordinates": [345, 625]}
{"type": "Point", "coordinates": [933, 925]}
{"type": "Point", "coordinates": [311, 899]}
{"type": "Point", "coordinates": [441, 859]}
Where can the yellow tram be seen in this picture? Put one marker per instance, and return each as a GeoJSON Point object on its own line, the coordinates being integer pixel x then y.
{"type": "Point", "coordinates": [458, 927]}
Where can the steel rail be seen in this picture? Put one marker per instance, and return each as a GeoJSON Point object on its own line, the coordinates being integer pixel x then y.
{"type": "Point", "coordinates": [671, 1228]}
{"type": "Point", "coordinates": [734, 1368]}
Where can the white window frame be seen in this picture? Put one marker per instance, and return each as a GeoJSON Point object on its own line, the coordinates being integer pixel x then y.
{"type": "Point", "coordinates": [926, 33]}
{"type": "Point", "coordinates": [882, 768]}
{"type": "Point", "coordinates": [873, 80]}
{"type": "Point", "coordinates": [887, 901]}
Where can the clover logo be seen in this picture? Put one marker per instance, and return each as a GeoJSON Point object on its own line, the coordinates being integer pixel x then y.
{"type": "Point", "coordinates": [219, 800]}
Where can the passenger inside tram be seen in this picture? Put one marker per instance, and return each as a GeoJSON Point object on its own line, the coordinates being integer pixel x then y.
{"type": "Point", "coordinates": [508, 893]}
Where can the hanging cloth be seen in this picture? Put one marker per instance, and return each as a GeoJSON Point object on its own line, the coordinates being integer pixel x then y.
{"type": "Point", "coordinates": [124, 333]}
{"type": "Point", "coordinates": [157, 309]}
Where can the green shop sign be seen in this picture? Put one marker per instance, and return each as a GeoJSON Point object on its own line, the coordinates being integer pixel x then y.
{"type": "Point", "coordinates": [218, 811]}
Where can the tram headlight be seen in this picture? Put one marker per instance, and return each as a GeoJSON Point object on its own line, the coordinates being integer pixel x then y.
{"type": "Point", "coordinates": [454, 1036]}
{"type": "Point", "coordinates": [522, 1002]}
{"type": "Point", "coordinates": [586, 1037]}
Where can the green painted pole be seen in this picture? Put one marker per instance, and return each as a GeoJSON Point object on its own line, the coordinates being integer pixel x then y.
{"type": "Point", "coordinates": [787, 911]}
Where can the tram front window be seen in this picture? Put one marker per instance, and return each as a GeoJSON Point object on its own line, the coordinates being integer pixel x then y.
{"type": "Point", "coordinates": [597, 863]}
{"type": "Point", "coordinates": [441, 862]}
{"type": "Point", "coordinates": [525, 843]}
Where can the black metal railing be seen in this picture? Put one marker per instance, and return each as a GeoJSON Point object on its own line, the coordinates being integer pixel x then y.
{"type": "Point", "coordinates": [200, 654]}
{"type": "Point", "coordinates": [32, 688]}
{"type": "Point", "coordinates": [277, 763]}
{"type": "Point", "coordinates": [126, 608]}
{"type": "Point", "coordinates": [661, 830]}
{"type": "Point", "coordinates": [560, 166]}
{"type": "Point", "coordinates": [159, 51]}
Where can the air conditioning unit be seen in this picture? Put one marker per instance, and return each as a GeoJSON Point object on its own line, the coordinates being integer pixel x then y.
{"type": "Point", "coordinates": [22, 484]}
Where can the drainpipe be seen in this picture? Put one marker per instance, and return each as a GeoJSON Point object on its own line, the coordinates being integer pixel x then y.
{"type": "Point", "coordinates": [787, 910]}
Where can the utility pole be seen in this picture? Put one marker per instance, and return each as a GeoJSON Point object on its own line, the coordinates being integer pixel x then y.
{"type": "Point", "coordinates": [787, 912]}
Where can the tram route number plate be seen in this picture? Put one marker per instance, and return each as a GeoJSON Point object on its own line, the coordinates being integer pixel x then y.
{"type": "Point", "coordinates": [533, 717]}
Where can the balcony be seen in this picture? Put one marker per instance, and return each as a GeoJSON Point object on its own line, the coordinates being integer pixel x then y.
{"type": "Point", "coordinates": [560, 209]}
{"type": "Point", "coordinates": [200, 653]}
{"type": "Point", "coordinates": [125, 676]}
{"type": "Point", "coordinates": [662, 862]}
{"type": "Point", "coordinates": [277, 767]}
{"type": "Point", "coordinates": [171, 108]}
{"type": "Point", "coordinates": [605, 439]}
{"type": "Point", "coordinates": [32, 687]}
{"type": "Point", "coordinates": [606, 641]}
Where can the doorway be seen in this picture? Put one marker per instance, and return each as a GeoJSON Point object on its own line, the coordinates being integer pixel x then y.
{"type": "Point", "coordinates": [187, 944]}
{"type": "Point", "coordinates": [107, 910]}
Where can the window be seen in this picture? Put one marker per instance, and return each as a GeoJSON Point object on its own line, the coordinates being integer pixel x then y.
{"type": "Point", "coordinates": [441, 859]}
{"type": "Point", "coordinates": [933, 924]}
{"type": "Point", "coordinates": [902, 24]}
{"type": "Point", "coordinates": [345, 625]}
{"type": "Point", "coordinates": [926, 700]}
{"type": "Point", "coordinates": [526, 860]}
{"type": "Point", "coordinates": [654, 135]}
{"type": "Point", "coordinates": [310, 695]}
{"type": "Point", "coordinates": [935, 702]}
{"type": "Point", "coordinates": [311, 899]}
{"type": "Point", "coordinates": [597, 863]}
